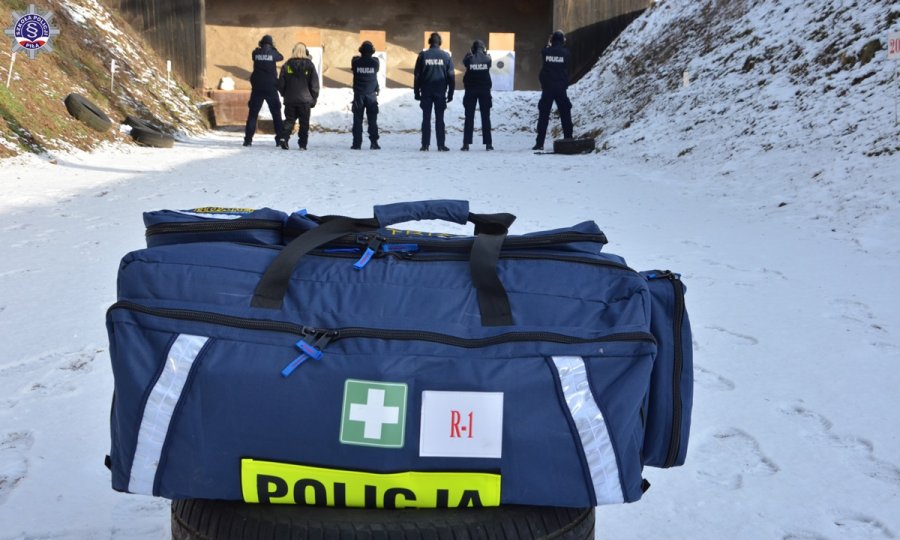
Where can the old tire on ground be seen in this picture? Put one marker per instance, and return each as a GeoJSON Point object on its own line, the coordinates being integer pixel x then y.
{"type": "Point", "coordinates": [134, 122]}
{"type": "Point", "coordinates": [195, 519]}
{"type": "Point", "coordinates": [573, 146]}
{"type": "Point", "coordinates": [84, 110]}
{"type": "Point", "coordinates": [151, 137]}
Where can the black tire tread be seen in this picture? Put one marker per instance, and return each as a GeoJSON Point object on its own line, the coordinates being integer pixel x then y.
{"type": "Point", "coordinates": [151, 137]}
{"type": "Point", "coordinates": [574, 146]}
{"type": "Point", "coordinates": [82, 109]}
{"type": "Point", "coordinates": [204, 519]}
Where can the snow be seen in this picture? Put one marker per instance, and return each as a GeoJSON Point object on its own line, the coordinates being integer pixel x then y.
{"type": "Point", "coordinates": [781, 220]}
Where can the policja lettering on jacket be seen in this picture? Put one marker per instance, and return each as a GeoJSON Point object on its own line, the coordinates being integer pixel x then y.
{"type": "Point", "coordinates": [365, 95]}
{"type": "Point", "coordinates": [477, 82]}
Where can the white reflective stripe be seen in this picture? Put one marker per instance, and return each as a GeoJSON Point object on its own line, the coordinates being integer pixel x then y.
{"type": "Point", "coordinates": [598, 449]}
{"type": "Point", "coordinates": [158, 411]}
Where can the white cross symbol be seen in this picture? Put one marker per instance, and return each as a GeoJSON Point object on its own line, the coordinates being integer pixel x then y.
{"type": "Point", "coordinates": [374, 413]}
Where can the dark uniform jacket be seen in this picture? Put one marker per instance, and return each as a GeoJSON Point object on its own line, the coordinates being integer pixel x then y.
{"type": "Point", "coordinates": [555, 70]}
{"type": "Point", "coordinates": [299, 82]}
{"type": "Point", "coordinates": [434, 73]}
{"type": "Point", "coordinates": [264, 73]}
{"type": "Point", "coordinates": [365, 74]}
{"type": "Point", "coordinates": [478, 75]}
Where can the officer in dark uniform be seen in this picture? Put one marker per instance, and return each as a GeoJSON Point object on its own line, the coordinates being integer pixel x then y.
{"type": "Point", "coordinates": [477, 82]}
{"type": "Point", "coordinates": [262, 82]}
{"type": "Point", "coordinates": [433, 86]}
{"type": "Point", "coordinates": [365, 92]}
{"type": "Point", "coordinates": [554, 79]}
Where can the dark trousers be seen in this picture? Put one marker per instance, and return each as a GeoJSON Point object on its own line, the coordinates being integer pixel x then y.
{"type": "Point", "coordinates": [563, 105]}
{"type": "Point", "coordinates": [439, 103]}
{"type": "Point", "coordinates": [369, 105]}
{"type": "Point", "coordinates": [481, 98]}
{"type": "Point", "coordinates": [296, 112]}
{"type": "Point", "coordinates": [257, 97]}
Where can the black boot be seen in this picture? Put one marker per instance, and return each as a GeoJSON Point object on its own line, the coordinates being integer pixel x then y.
{"type": "Point", "coordinates": [374, 146]}
{"type": "Point", "coordinates": [465, 148]}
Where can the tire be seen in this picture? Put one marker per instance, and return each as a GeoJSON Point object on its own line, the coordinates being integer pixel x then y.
{"type": "Point", "coordinates": [151, 137]}
{"type": "Point", "coordinates": [134, 122]}
{"type": "Point", "coordinates": [84, 110]}
{"type": "Point", "coordinates": [197, 519]}
{"type": "Point", "coordinates": [573, 146]}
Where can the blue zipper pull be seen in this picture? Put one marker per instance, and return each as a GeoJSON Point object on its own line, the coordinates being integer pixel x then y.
{"type": "Point", "coordinates": [370, 251]}
{"type": "Point", "coordinates": [308, 350]}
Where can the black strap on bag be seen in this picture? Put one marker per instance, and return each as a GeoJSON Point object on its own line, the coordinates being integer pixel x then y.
{"type": "Point", "coordinates": [490, 233]}
{"type": "Point", "coordinates": [273, 286]}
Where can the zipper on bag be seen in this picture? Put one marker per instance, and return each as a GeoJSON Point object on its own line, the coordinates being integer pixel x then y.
{"type": "Point", "coordinates": [678, 362]}
{"type": "Point", "coordinates": [213, 226]}
{"type": "Point", "coordinates": [314, 340]}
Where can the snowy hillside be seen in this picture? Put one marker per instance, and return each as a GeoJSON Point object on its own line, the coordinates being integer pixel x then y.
{"type": "Point", "coordinates": [33, 117]}
{"type": "Point", "coordinates": [723, 85]}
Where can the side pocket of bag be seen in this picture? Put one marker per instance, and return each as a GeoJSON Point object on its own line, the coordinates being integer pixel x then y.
{"type": "Point", "coordinates": [671, 388]}
{"type": "Point", "coordinates": [604, 397]}
{"type": "Point", "coordinates": [151, 370]}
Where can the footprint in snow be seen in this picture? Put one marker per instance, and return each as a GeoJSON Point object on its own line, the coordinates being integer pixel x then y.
{"type": "Point", "coordinates": [858, 450]}
{"type": "Point", "coordinates": [732, 455]}
{"type": "Point", "coordinates": [712, 380]}
{"type": "Point", "coordinates": [14, 446]}
{"type": "Point", "coordinates": [43, 371]}
{"type": "Point", "coordinates": [740, 338]}
{"type": "Point", "coordinates": [857, 313]}
{"type": "Point", "coordinates": [861, 526]}
{"type": "Point", "coordinates": [803, 535]}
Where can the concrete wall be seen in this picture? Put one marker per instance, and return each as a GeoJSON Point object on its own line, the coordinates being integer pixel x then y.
{"type": "Point", "coordinates": [210, 39]}
{"type": "Point", "coordinates": [591, 25]}
{"type": "Point", "coordinates": [234, 27]}
{"type": "Point", "coordinates": [174, 28]}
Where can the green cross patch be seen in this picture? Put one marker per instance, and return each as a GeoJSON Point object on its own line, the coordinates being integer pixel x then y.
{"type": "Point", "coordinates": [373, 414]}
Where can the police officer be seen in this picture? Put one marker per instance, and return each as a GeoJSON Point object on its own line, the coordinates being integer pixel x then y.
{"type": "Point", "coordinates": [299, 85]}
{"type": "Point", "coordinates": [262, 83]}
{"type": "Point", "coordinates": [554, 79]}
{"type": "Point", "coordinates": [365, 92]}
{"type": "Point", "coordinates": [477, 82]}
{"type": "Point", "coordinates": [433, 86]}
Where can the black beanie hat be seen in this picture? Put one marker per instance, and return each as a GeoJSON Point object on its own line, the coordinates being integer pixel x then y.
{"type": "Point", "coordinates": [266, 40]}
{"type": "Point", "coordinates": [434, 39]}
{"type": "Point", "coordinates": [477, 45]}
{"type": "Point", "coordinates": [558, 38]}
{"type": "Point", "coordinates": [367, 48]}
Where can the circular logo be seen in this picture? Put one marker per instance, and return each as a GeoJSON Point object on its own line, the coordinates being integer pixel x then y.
{"type": "Point", "coordinates": [32, 31]}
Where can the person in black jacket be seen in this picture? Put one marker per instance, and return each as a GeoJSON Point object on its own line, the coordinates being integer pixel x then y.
{"type": "Point", "coordinates": [365, 92]}
{"type": "Point", "coordinates": [433, 86]}
{"type": "Point", "coordinates": [299, 86]}
{"type": "Point", "coordinates": [262, 83]}
{"type": "Point", "coordinates": [554, 79]}
{"type": "Point", "coordinates": [477, 82]}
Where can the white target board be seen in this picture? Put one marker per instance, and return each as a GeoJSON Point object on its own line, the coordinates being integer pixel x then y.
{"type": "Point", "coordinates": [316, 54]}
{"type": "Point", "coordinates": [382, 68]}
{"type": "Point", "coordinates": [503, 70]}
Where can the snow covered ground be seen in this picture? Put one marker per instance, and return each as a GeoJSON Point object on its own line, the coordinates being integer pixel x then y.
{"type": "Point", "coordinates": [796, 330]}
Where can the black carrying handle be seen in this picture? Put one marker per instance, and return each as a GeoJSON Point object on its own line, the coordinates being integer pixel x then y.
{"type": "Point", "coordinates": [490, 233]}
